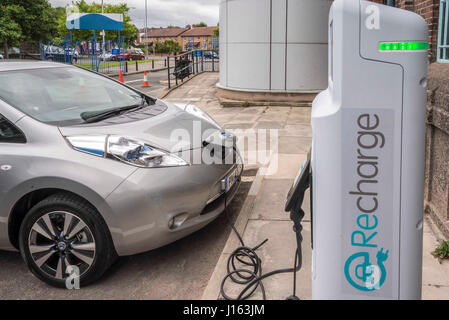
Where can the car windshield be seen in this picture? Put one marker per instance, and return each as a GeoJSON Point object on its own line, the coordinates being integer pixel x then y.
{"type": "Point", "coordinates": [60, 95]}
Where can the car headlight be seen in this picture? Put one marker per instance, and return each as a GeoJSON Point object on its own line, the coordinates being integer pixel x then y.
{"type": "Point", "coordinates": [128, 150]}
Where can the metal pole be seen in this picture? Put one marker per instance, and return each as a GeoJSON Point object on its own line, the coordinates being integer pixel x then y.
{"type": "Point", "coordinates": [146, 29]}
{"type": "Point", "coordinates": [168, 68]}
{"type": "Point", "coordinates": [197, 61]}
{"type": "Point", "coordinates": [176, 72]}
{"type": "Point", "coordinates": [102, 11]}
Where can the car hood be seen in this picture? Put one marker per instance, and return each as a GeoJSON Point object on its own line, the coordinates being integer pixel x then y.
{"type": "Point", "coordinates": [173, 129]}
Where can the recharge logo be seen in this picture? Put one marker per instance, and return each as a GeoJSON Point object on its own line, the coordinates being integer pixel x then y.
{"type": "Point", "coordinates": [362, 274]}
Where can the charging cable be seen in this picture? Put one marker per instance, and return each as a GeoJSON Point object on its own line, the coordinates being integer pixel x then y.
{"type": "Point", "coordinates": [250, 273]}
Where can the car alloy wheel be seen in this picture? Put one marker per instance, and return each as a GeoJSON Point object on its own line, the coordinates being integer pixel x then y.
{"type": "Point", "coordinates": [60, 239]}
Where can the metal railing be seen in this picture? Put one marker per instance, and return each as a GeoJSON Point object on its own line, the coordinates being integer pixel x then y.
{"type": "Point", "coordinates": [182, 66]}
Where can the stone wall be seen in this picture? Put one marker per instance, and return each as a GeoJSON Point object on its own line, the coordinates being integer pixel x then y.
{"type": "Point", "coordinates": [436, 197]}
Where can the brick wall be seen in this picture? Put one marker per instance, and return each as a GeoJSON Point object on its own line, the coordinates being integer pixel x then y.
{"type": "Point", "coordinates": [429, 10]}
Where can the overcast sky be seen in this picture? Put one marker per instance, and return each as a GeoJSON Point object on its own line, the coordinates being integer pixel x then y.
{"type": "Point", "coordinates": [162, 13]}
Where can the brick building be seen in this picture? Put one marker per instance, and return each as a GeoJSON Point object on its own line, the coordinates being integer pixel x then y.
{"type": "Point", "coordinates": [162, 35]}
{"type": "Point", "coordinates": [188, 38]}
{"type": "Point", "coordinates": [199, 38]}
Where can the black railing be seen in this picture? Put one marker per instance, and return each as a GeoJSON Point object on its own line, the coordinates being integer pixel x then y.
{"type": "Point", "coordinates": [182, 66]}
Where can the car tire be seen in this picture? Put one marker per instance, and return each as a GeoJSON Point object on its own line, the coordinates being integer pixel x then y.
{"type": "Point", "coordinates": [80, 238]}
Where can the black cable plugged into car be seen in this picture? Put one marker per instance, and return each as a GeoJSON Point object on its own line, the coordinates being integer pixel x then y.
{"type": "Point", "coordinates": [250, 273]}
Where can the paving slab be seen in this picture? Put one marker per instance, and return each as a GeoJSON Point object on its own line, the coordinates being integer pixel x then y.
{"type": "Point", "coordinates": [294, 145]}
{"type": "Point", "coordinates": [287, 166]}
{"type": "Point", "coordinates": [296, 130]}
{"type": "Point", "coordinates": [270, 203]}
{"type": "Point", "coordinates": [270, 124]}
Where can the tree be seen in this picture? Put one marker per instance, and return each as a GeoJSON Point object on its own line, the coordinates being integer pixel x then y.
{"type": "Point", "coordinates": [168, 46]}
{"type": "Point", "coordinates": [25, 20]}
{"type": "Point", "coordinates": [130, 31]}
{"type": "Point", "coordinates": [216, 32]}
{"type": "Point", "coordinates": [10, 31]}
{"type": "Point", "coordinates": [199, 25]}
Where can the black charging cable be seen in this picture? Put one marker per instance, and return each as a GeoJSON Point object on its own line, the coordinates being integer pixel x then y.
{"type": "Point", "coordinates": [250, 273]}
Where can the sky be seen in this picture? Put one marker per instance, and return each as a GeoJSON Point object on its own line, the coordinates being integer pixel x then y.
{"type": "Point", "coordinates": [162, 13]}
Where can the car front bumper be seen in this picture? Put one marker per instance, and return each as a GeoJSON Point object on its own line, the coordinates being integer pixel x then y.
{"type": "Point", "coordinates": [144, 204]}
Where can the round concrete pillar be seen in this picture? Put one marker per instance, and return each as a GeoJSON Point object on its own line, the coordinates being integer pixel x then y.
{"type": "Point", "coordinates": [274, 46]}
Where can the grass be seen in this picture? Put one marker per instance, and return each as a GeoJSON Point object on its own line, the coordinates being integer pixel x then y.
{"type": "Point", "coordinates": [442, 251]}
{"type": "Point", "coordinates": [112, 64]}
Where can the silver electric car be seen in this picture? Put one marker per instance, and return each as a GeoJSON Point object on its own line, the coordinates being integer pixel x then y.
{"type": "Point", "coordinates": [91, 169]}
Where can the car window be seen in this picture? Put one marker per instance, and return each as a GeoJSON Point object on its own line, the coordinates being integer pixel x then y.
{"type": "Point", "coordinates": [10, 133]}
{"type": "Point", "coordinates": [60, 95]}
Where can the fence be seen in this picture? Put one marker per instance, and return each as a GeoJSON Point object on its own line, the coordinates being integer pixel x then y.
{"type": "Point", "coordinates": [182, 66]}
{"type": "Point", "coordinates": [178, 67]}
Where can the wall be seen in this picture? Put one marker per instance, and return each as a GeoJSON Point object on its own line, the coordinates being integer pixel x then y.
{"type": "Point", "coordinates": [274, 45]}
{"type": "Point", "coordinates": [437, 154]}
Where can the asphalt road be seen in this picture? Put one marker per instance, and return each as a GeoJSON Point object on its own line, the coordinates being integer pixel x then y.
{"type": "Point", "coordinates": [154, 79]}
{"type": "Point", "coordinates": [180, 270]}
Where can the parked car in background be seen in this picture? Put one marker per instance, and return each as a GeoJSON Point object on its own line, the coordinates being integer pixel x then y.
{"type": "Point", "coordinates": [107, 56]}
{"type": "Point", "coordinates": [110, 180]}
{"type": "Point", "coordinates": [130, 55]}
{"type": "Point", "coordinates": [1, 57]}
{"type": "Point", "coordinates": [56, 54]}
{"type": "Point", "coordinates": [136, 54]}
{"type": "Point", "coordinates": [211, 55]}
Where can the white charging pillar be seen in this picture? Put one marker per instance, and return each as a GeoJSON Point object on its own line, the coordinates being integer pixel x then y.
{"type": "Point", "coordinates": [368, 155]}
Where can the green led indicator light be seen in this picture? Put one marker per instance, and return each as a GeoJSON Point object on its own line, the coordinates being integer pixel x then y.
{"type": "Point", "coordinates": [403, 46]}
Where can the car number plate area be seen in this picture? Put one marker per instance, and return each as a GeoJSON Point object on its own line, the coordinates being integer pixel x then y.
{"type": "Point", "coordinates": [230, 180]}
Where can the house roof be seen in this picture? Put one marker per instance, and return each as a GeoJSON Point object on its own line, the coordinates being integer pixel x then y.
{"type": "Point", "coordinates": [164, 32]}
{"type": "Point", "coordinates": [199, 32]}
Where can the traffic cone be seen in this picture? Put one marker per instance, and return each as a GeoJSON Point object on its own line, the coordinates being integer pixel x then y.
{"type": "Point", "coordinates": [120, 76]}
{"type": "Point", "coordinates": [145, 80]}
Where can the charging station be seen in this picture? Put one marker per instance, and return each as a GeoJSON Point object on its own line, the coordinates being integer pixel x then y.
{"type": "Point", "coordinates": [367, 157]}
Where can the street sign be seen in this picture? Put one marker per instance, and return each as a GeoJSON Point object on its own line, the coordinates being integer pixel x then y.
{"type": "Point", "coordinates": [368, 155]}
